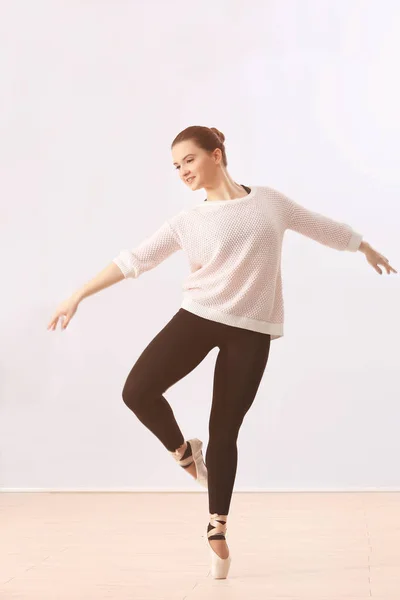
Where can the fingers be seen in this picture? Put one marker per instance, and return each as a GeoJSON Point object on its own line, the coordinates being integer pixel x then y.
{"type": "Point", "coordinates": [382, 260]}
{"type": "Point", "coordinates": [389, 268]}
{"type": "Point", "coordinates": [52, 326]}
{"type": "Point", "coordinates": [53, 323]}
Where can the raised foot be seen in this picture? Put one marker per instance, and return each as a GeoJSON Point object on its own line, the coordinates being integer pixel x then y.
{"type": "Point", "coordinates": [192, 470]}
{"type": "Point", "coordinates": [191, 466]}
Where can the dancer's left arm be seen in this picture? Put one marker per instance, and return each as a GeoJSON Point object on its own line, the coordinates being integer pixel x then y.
{"type": "Point", "coordinates": [330, 232]}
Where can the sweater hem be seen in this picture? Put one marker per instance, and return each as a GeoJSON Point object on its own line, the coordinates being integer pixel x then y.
{"type": "Point", "coordinates": [274, 329]}
{"type": "Point", "coordinates": [126, 265]}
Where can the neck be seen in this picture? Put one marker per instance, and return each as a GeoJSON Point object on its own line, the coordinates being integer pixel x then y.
{"type": "Point", "coordinates": [225, 190]}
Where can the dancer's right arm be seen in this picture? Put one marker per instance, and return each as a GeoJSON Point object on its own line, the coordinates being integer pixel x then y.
{"type": "Point", "coordinates": [128, 264]}
{"type": "Point", "coordinates": [108, 276]}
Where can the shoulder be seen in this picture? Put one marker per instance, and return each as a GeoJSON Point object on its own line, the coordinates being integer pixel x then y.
{"type": "Point", "coordinates": [276, 197]}
{"type": "Point", "coordinates": [271, 191]}
{"type": "Point", "coordinates": [177, 220]}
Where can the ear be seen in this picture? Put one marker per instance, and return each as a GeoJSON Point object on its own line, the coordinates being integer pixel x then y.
{"type": "Point", "coordinates": [217, 154]}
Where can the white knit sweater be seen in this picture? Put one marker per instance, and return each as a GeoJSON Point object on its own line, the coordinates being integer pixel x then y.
{"type": "Point", "coordinates": [234, 252]}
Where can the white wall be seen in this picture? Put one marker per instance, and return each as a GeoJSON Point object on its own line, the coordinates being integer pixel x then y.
{"type": "Point", "coordinates": [92, 95]}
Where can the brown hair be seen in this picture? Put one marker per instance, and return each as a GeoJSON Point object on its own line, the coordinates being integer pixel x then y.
{"type": "Point", "coordinates": [207, 138]}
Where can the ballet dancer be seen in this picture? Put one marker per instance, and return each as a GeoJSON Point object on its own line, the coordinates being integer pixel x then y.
{"type": "Point", "coordinates": [232, 299]}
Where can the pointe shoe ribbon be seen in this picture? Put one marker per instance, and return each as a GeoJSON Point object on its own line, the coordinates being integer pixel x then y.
{"type": "Point", "coordinates": [219, 566]}
{"type": "Point", "coordinates": [196, 457]}
{"type": "Point", "coordinates": [215, 519]}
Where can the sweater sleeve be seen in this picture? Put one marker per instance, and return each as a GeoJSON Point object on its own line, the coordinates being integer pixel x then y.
{"type": "Point", "coordinates": [320, 228]}
{"type": "Point", "coordinates": [149, 253]}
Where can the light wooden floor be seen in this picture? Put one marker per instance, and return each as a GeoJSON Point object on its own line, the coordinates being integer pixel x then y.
{"type": "Point", "coordinates": [90, 546]}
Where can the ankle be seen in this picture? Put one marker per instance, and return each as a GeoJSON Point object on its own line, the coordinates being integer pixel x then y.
{"type": "Point", "coordinates": [218, 517]}
{"type": "Point", "coordinates": [217, 524]}
{"type": "Point", "coordinates": [179, 452]}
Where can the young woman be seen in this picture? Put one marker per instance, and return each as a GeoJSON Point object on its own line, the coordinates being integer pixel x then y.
{"type": "Point", "coordinates": [232, 300]}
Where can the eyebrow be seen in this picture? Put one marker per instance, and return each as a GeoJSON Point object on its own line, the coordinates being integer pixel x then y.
{"type": "Point", "coordinates": [184, 158]}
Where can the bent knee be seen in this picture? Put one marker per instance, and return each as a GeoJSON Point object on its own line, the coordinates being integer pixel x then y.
{"type": "Point", "coordinates": [133, 395]}
{"type": "Point", "coordinates": [136, 393]}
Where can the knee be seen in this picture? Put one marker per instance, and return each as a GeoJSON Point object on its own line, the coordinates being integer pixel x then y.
{"type": "Point", "coordinates": [224, 432]}
{"type": "Point", "coordinates": [133, 395]}
{"type": "Point", "coordinates": [224, 437]}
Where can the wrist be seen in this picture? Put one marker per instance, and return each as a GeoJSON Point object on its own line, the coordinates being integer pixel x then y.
{"type": "Point", "coordinates": [364, 246]}
{"type": "Point", "coordinates": [78, 296]}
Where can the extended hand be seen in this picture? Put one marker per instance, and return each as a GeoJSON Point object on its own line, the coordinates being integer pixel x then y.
{"type": "Point", "coordinates": [66, 309]}
{"type": "Point", "coordinates": [375, 258]}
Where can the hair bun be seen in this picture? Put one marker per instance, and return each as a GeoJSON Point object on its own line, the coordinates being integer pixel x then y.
{"type": "Point", "coordinates": [218, 134]}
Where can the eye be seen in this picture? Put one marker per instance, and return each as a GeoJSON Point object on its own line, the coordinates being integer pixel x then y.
{"type": "Point", "coordinates": [190, 160]}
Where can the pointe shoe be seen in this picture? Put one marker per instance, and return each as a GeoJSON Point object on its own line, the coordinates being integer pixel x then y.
{"type": "Point", "coordinates": [197, 458]}
{"type": "Point", "coordinates": [219, 566]}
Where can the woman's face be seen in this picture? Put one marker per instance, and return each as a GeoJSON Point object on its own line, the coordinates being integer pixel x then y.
{"type": "Point", "coordinates": [192, 161]}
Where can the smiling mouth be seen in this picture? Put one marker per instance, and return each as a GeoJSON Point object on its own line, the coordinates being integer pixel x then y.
{"type": "Point", "coordinates": [191, 179]}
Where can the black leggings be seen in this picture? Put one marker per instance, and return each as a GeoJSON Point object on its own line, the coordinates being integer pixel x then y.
{"type": "Point", "coordinates": [175, 351]}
